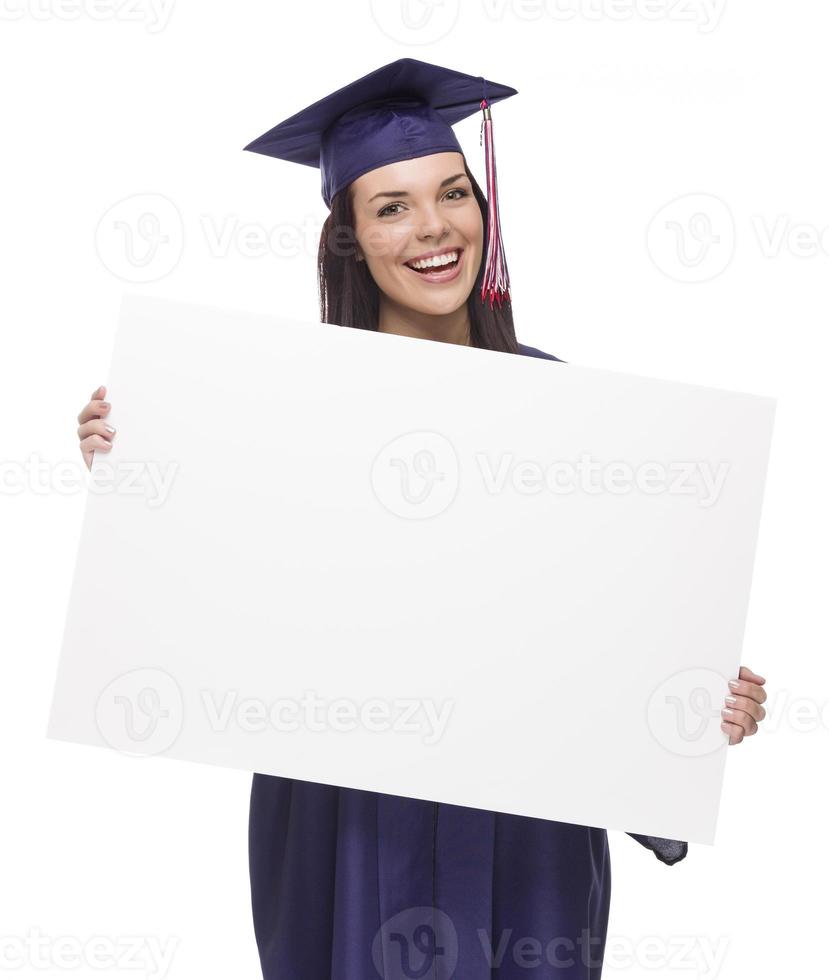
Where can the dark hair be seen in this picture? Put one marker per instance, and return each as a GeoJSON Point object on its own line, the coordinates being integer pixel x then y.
{"type": "Point", "coordinates": [349, 296]}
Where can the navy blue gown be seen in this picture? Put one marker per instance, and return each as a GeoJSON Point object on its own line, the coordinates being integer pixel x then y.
{"type": "Point", "coordinates": [354, 885]}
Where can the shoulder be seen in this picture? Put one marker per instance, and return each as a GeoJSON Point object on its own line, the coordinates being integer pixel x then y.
{"type": "Point", "coordinates": [535, 352]}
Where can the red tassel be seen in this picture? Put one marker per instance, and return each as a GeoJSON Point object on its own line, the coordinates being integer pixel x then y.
{"type": "Point", "coordinates": [495, 285]}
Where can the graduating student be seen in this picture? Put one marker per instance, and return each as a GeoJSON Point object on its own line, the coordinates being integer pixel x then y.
{"type": "Point", "coordinates": [347, 884]}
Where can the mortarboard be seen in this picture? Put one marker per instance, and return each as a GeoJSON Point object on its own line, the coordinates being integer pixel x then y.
{"type": "Point", "coordinates": [401, 111]}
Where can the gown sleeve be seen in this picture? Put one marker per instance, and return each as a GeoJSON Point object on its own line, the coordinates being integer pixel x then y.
{"type": "Point", "coordinates": [667, 851]}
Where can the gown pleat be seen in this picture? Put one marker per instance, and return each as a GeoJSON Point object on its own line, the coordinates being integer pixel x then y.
{"type": "Point", "coordinates": [354, 885]}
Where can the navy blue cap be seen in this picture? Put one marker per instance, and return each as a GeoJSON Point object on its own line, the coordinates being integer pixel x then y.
{"type": "Point", "coordinates": [403, 110]}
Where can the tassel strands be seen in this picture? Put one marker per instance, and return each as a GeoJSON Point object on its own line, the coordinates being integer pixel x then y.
{"type": "Point", "coordinates": [495, 284]}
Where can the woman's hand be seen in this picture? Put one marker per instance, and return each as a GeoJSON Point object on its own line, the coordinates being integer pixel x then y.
{"type": "Point", "coordinates": [93, 432]}
{"type": "Point", "coordinates": [743, 706]}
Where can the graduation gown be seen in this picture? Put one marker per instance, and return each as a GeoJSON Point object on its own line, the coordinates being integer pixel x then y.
{"type": "Point", "coordinates": [355, 885]}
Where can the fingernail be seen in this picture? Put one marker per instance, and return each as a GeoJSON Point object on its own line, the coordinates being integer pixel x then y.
{"type": "Point", "coordinates": [730, 699]}
{"type": "Point", "coordinates": [761, 680]}
{"type": "Point", "coordinates": [728, 711]}
{"type": "Point", "coordinates": [109, 428]}
{"type": "Point", "coordinates": [733, 685]}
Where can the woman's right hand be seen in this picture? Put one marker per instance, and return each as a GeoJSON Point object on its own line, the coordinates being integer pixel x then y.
{"type": "Point", "coordinates": [93, 431]}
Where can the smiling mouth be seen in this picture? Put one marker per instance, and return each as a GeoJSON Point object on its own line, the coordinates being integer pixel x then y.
{"type": "Point", "coordinates": [437, 267]}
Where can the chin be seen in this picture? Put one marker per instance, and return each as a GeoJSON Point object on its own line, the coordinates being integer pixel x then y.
{"type": "Point", "coordinates": [438, 301]}
{"type": "Point", "coordinates": [437, 306]}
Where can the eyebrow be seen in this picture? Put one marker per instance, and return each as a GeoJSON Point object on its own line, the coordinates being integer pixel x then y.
{"type": "Point", "coordinates": [443, 183]}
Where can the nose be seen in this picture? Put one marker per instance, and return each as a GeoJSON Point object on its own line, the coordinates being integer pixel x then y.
{"type": "Point", "coordinates": [433, 225]}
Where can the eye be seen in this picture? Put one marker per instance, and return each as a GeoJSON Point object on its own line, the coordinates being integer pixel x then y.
{"type": "Point", "coordinates": [458, 190]}
{"type": "Point", "coordinates": [384, 211]}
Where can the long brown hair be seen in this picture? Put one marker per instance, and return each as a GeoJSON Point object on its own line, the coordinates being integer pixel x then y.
{"type": "Point", "coordinates": [349, 296]}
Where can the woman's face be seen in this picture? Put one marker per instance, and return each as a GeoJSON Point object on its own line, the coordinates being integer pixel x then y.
{"type": "Point", "coordinates": [404, 214]}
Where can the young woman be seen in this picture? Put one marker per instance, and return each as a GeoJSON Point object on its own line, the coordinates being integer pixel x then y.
{"type": "Point", "coordinates": [347, 884]}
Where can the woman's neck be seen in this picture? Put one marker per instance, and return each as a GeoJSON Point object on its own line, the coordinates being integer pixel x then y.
{"type": "Point", "coordinates": [449, 328]}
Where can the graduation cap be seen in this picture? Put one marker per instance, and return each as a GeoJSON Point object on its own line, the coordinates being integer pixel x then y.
{"type": "Point", "coordinates": [404, 110]}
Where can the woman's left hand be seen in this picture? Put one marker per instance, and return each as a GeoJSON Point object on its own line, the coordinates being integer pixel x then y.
{"type": "Point", "coordinates": [743, 706]}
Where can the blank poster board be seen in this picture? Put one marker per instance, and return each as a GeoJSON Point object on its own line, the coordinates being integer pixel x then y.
{"type": "Point", "coordinates": [414, 568]}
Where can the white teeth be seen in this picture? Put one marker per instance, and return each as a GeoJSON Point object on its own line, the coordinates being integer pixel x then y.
{"type": "Point", "coordinates": [435, 262]}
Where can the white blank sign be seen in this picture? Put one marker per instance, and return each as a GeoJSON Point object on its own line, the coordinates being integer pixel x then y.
{"type": "Point", "coordinates": [415, 568]}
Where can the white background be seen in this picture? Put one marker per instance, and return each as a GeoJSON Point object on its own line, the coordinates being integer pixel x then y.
{"type": "Point", "coordinates": [625, 109]}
